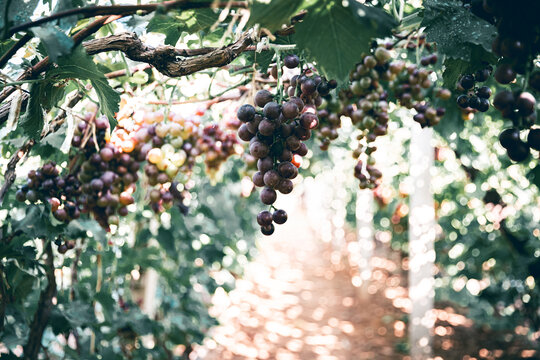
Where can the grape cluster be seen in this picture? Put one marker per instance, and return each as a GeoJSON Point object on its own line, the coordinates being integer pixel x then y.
{"type": "Point", "coordinates": [412, 84]}
{"type": "Point", "coordinates": [105, 166]}
{"type": "Point", "coordinates": [520, 107]}
{"type": "Point", "coordinates": [366, 101]}
{"type": "Point", "coordinates": [329, 123]}
{"type": "Point", "coordinates": [276, 131]}
{"type": "Point", "coordinates": [476, 98]}
{"type": "Point", "coordinates": [218, 145]}
{"type": "Point", "coordinates": [517, 149]}
{"type": "Point", "coordinates": [45, 184]}
{"type": "Point", "coordinates": [64, 245]}
{"type": "Point", "coordinates": [107, 173]}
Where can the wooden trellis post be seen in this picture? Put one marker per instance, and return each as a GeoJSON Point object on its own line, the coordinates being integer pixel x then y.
{"type": "Point", "coordinates": [421, 244]}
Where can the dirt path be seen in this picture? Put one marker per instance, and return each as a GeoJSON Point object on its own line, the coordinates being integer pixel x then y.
{"type": "Point", "coordinates": [297, 301]}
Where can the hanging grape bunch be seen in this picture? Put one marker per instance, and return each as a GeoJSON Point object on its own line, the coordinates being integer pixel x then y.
{"type": "Point", "coordinates": [218, 145]}
{"type": "Point", "coordinates": [275, 132]}
{"type": "Point", "coordinates": [104, 166]}
{"type": "Point", "coordinates": [520, 107]}
{"type": "Point", "coordinates": [366, 101]}
{"type": "Point", "coordinates": [517, 45]}
{"type": "Point", "coordinates": [476, 97]}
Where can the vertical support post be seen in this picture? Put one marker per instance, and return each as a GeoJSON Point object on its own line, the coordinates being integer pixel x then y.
{"type": "Point", "coordinates": [365, 235]}
{"type": "Point", "coordinates": [421, 244]}
{"type": "Point", "coordinates": [150, 282]}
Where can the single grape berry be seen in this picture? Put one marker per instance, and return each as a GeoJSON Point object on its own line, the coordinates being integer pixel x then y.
{"type": "Point", "coordinates": [483, 105]}
{"type": "Point", "coordinates": [279, 216]}
{"type": "Point", "coordinates": [267, 230]}
{"type": "Point", "coordinates": [474, 102]}
{"type": "Point", "coordinates": [467, 82]}
{"type": "Point", "coordinates": [504, 100]}
{"type": "Point", "coordinates": [505, 74]}
{"type": "Point", "coordinates": [463, 101]}
{"type": "Point", "coordinates": [525, 103]}
{"type": "Point", "coordinates": [264, 218]}
{"type": "Point", "coordinates": [263, 97]}
{"type": "Point", "coordinates": [244, 133]}
{"type": "Point", "coordinates": [258, 179]}
{"type": "Point", "coordinates": [482, 75]}
{"type": "Point", "coordinates": [271, 110]}
{"type": "Point", "coordinates": [20, 196]}
{"type": "Point", "coordinates": [484, 92]}
{"type": "Point", "coordinates": [245, 113]}
{"type": "Point", "coordinates": [62, 248]}
{"type": "Point", "coordinates": [533, 139]}
{"type": "Point", "coordinates": [509, 137]}
{"type": "Point", "coordinates": [271, 178]}
{"type": "Point", "coordinates": [308, 87]}
{"type": "Point", "coordinates": [289, 110]}
{"type": "Point", "coordinates": [291, 61]}
{"type": "Point", "coordinates": [519, 151]}
{"type": "Point", "coordinates": [287, 170]}
{"type": "Point", "coordinates": [268, 196]}
{"type": "Point", "coordinates": [285, 186]}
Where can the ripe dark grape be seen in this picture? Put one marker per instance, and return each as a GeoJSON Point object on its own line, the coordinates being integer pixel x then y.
{"type": "Point", "coordinates": [271, 178]}
{"type": "Point", "coordinates": [533, 139]}
{"type": "Point", "coordinates": [509, 137]}
{"type": "Point", "coordinates": [291, 61]}
{"type": "Point", "coordinates": [463, 101]}
{"type": "Point", "coordinates": [484, 92]}
{"type": "Point", "coordinates": [268, 196]}
{"type": "Point", "coordinates": [262, 97]}
{"type": "Point", "coordinates": [518, 151]}
{"type": "Point", "coordinates": [245, 113]}
{"type": "Point", "coordinates": [525, 103]}
{"type": "Point", "coordinates": [264, 218]}
{"type": "Point", "coordinates": [271, 110]}
{"type": "Point", "coordinates": [467, 82]}
{"type": "Point", "coordinates": [279, 216]}
{"type": "Point", "coordinates": [504, 74]}
{"type": "Point", "coordinates": [483, 105]}
{"type": "Point", "coordinates": [268, 230]}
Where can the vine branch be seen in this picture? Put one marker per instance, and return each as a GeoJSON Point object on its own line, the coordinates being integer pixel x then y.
{"type": "Point", "coordinates": [124, 10]}
{"type": "Point", "coordinates": [44, 308]}
{"type": "Point", "coordinates": [167, 59]}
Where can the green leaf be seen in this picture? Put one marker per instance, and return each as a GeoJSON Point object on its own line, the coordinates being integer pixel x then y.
{"type": "Point", "coordinates": [17, 11]}
{"type": "Point", "coordinates": [335, 37]}
{"type": "Point", "coordinates": [456, 30]}
{"type": "Point", "coordinates": [174, 24]}
{"type": "Point", "coordinates": [273, 14]}
{"type": "Point", "coordinates": [5, 45]}
{"type": "Point", "coordinates": [455, 67]}
{"type": "Point", "coordinates": [80, 66]}
{"type": "Point", "coordinates": [55, 139]}
{"type": "Point", "coordinates": [50, 94]}
{"type": "Point", "coordinates": [32, 120]}
{"type": "Point", "coordinates": [168, 25]}
{"type": "Point", "coordinates": [56, 42]}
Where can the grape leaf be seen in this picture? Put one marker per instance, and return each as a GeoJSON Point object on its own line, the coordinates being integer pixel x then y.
{"type": "Point", "coordinates": [335, 36]}
{"type": "Point", "coordinates": [56, 42]}
{"type": "Point", "coordinates": [173, 25]}
{"type": "Point", "coordinates": [168, 25]}
{"type": "Point", "coordinates": [17, 12]}
{"type": "Point", "coordinates": [273, 14]}
{"type": "Point", "coordinates": [455, 67]}
{"type": "Point", "coordinates": [80, 66]}
{"type": "Point", "coordinates": [32, 120]}
{"type": "Point", "coordinates": [456, 30]}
